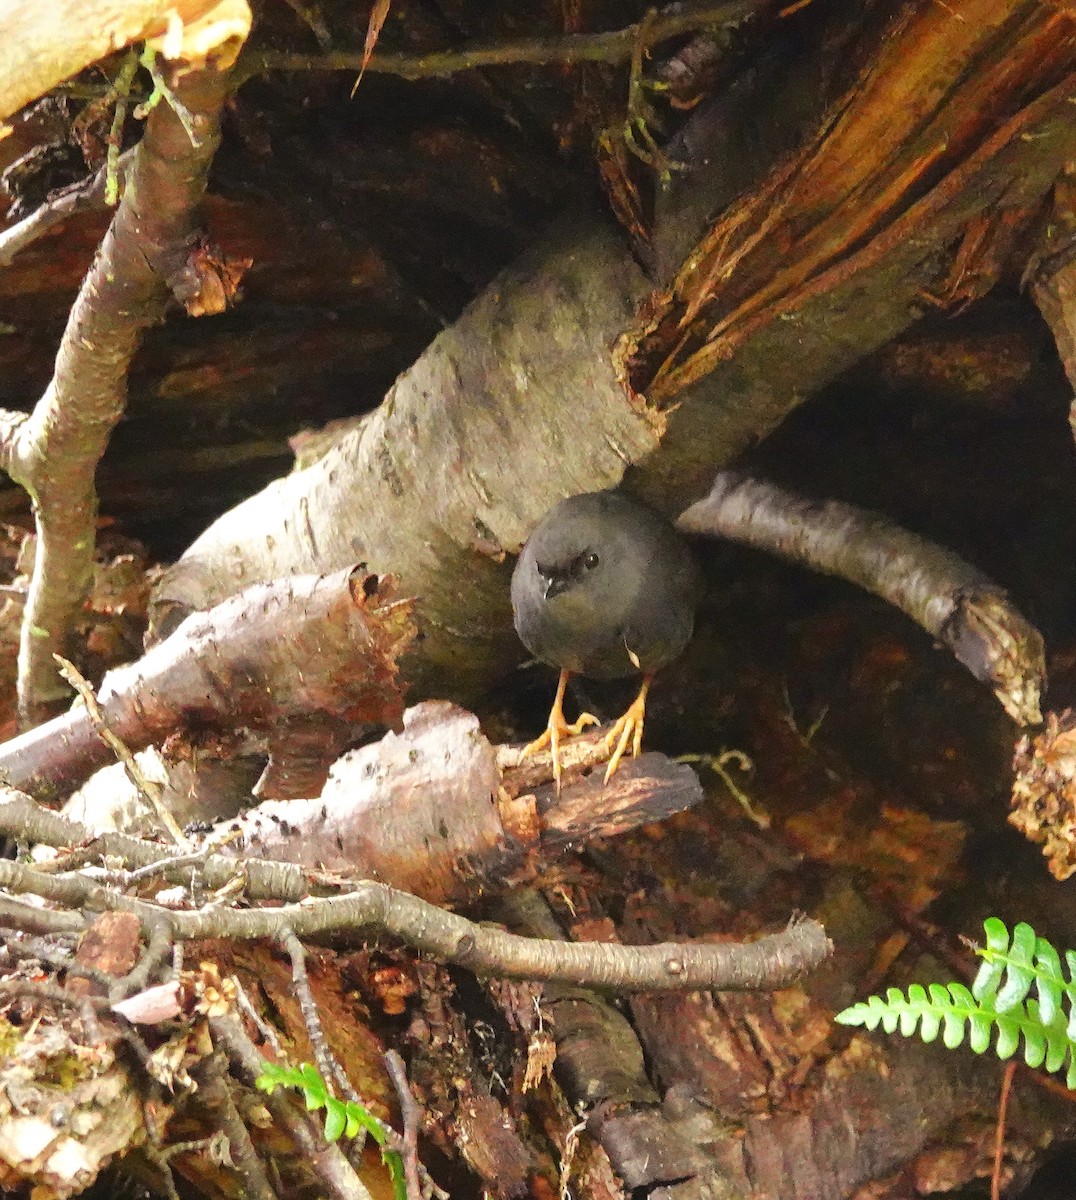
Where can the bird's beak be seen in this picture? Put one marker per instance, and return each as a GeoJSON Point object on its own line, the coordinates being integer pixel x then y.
{"type": "Point", "coordinates": [554, 585]}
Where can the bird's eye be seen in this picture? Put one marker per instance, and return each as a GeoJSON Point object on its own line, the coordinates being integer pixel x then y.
{"type": "Point", "coordinates": [591, 561]}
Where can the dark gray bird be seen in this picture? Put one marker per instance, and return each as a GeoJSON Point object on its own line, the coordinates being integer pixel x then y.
{"type": "Point", "coordinates": [604, 587]}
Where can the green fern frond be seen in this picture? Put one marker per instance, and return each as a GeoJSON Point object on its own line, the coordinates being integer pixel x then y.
{"type": "Point", "coordinates": [343, 1118]}
{"type": "Point", "coordinates": [998, 1008]}
{"type": "Point", "coordinates": [1011, 966]}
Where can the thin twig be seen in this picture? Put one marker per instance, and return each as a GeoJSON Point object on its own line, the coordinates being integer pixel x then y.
{"type": "Point", "coordinates": [615, 46]}
{"type": "Point", "coordinates": [411, 1115]}
{"type": "Point", "coordinates": [217, 1093]}
{"type": "Point", "coordinates": [53, 451]}
{"type": "Point", "coordinates": [337, 1176]}
{"type": "Point", "coordinates": [84, 196]}
{"type": "Point", "coordinates": [327, 1062]}
{"type": "Point", "coordinates": [246, 1007]}
{"type": "Point", "coordinates": [158, 949]}
{"type": "Point", "coordinates": [149, 789]}
{"type": "Point", "coordinates": [999, 1135]}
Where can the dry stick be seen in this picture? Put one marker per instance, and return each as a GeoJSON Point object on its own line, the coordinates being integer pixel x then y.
{"type": "Point", "coordinates": [246, 1007]}
{"type": "Point", "coordinates": [159, 948]}
{"type": "Point", "coordinates": [216, 1093]}
{"type": "Point", "coordinates": [615, 46]}
{"type": "Point", "coordinates": [150, 791]}
{"type": "Point", "coordinates": [326, 1159]}
{"type": "Point", "coordinates": [949, 598]}
{"type": "Point", "coordinates": [53, 452]}
{"type": "Point", "coordinates": [412, 1120]}
{"type": "Point", "coordinates": [772, 961]}
{"type": "Point", "coordinates": [30, 919]}
{"type": "Point", "coordinates": [999, 1135]}
{"type": "Point", "coordinates": [36, 989]}
{"type": "Point", "coordinates": [22, 818]}
{"type": "Point", "coordinates": [161, 1159]}
{"type": "Point", "coordinates": [86, 195]}
{"type": "Point", "coordinates": [327, 1062]}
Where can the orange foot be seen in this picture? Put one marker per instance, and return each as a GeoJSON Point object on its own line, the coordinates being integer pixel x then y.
{"type": "Point", "coordinates": [628, 729]}
{"type": "Point", "coordinates": [558, 728]}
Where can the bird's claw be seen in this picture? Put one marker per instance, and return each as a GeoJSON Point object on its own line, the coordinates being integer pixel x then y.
{"type": "Point", "coordinates": [555, 731]}
{"type": "Point", "coordinates": [627, 730]}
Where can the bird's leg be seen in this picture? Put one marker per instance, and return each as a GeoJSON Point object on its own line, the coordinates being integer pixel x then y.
{"type": "Point", "coordinates": [557, 727]}
{"type": "Point", "coordinates": [629, 728]}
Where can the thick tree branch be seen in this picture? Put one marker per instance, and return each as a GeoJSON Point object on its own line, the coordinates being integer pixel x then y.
{"type": "Point", "coordinates": [317, 651]}
{"type": "Point", "coordinates": [949, 598]}
{"type": "Point", "coordinates": [147, 251]}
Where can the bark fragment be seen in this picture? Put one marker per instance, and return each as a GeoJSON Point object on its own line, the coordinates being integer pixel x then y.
{"type": "Point", "coordinates": [307, 655]}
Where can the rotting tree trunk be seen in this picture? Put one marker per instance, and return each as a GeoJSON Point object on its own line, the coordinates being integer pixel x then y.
{"type": "Point", "coordinates": [911, 195]}
{"type": "Point", "coordinates": [518, 403]}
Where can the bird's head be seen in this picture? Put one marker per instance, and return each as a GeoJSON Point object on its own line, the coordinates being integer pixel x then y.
{"type": "Point", "coordinates": [559, 574]}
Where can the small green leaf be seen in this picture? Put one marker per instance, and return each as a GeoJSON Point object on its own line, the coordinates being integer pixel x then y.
{"type": "Point", "coordinates": [1008, 1036]}
{"type": "Point", "coordinates": [1019, 974]}
{"type": "Point", "coordinates": [1049, 982]}
{"type": "Point", "coordinates": [335, 1119]}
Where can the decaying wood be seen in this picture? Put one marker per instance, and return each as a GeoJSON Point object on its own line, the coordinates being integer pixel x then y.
{"type": "Point", "coordinates": [69, 1101]}
{"type": "Point", "coordinates": [431, 485]}
{"type": "Point", "coordinates": [742, 1094]}
{"type": "Point", "coordinates": [761, 1099]}
{"type": "Point", "coordinates": [1044, 791]}
{"type": "Point", "coordinates": [434, 811]}
{"type": "Point", "coordinates": [948, 597]}
{"type": "Point", "coordinates": [1051, 274]}
{"type": "Point", "coordinates": [920, 149]}
{"type": "Point", "coordinates": [307, 656]}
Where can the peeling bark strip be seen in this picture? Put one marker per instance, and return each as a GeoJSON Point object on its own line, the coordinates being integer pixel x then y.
{"type": "Point", "coordinates": [53, 452]}
{"type": "Point", "coordinates": [912, 152]}
{"type": "Point", "coordinates": [949, 598]}
{"type": "Point", "coordinates": [440, 812]}
{"type": "Point", "coordinates": [317, 650]}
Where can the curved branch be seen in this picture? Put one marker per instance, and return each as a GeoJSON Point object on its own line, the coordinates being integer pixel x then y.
{"type": "Point", "coordinates": [86, 195]}
{"type": "Point", "coordinates": [55, 451]}
{"type": "Point", "coordinates": [952, 600]}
